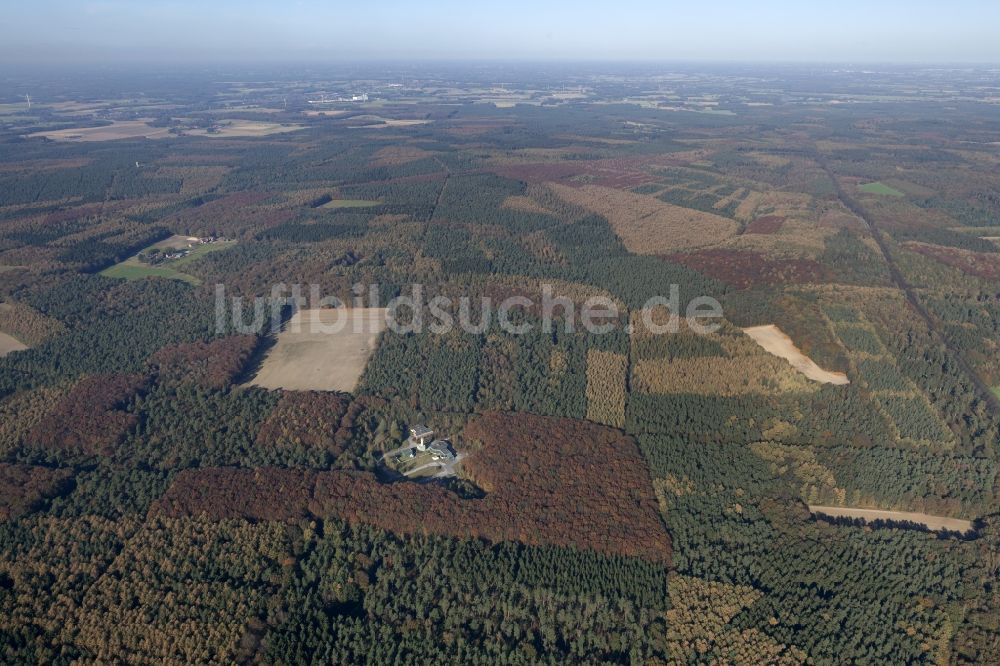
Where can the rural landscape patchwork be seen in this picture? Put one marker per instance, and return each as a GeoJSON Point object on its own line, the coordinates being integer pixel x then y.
{"type": "Point", "coordinates": [217, 445]}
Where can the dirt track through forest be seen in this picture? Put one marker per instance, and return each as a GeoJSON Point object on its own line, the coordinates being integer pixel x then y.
{"type": "Point", "coordinates": [904, 286]}
{"type": "Point", "coordinates": [929, 521]}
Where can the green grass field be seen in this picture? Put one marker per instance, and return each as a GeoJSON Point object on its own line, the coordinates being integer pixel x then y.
{"type": "Point", "coordinates": [133, 269]}
{"type": "Point", "coordinates": [881, 189]}
{"type": "Point", "coordinates": [350, 203]}
{"type": "Point", "coordinates": [996, 391]}
{"type": "Point", "coordinates": [139, 271]}
{"type": "Point", "coordinates": [202, 250]}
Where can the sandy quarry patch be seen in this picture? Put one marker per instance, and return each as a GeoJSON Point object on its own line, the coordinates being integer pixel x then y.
{"type": "Point", "coordinates": [308, 358]}
{"type": "Point", "coordinates": [931, 522]}
{"type": "Point", "coordinates": [10, 344]}
{"type": "Point", "coordinates": [774, 341]}
{"type": "Point", "coordinates": [119, 129]}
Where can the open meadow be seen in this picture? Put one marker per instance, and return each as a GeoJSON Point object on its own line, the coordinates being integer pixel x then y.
{"type": "Point", "coordinates": [135, 268]}
{"type": "Point", "coordinates": [322, 350]}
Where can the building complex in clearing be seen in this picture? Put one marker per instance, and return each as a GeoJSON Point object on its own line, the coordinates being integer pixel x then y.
{"type": "Point", "coordinates": [422, 439]}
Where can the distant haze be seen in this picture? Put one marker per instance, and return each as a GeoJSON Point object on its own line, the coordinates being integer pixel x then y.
{"type": "Point", "coordinates": [67, 31]}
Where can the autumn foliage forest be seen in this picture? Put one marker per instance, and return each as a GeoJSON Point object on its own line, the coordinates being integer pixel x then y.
{"type": "Point", "coordinates": [627, 497]}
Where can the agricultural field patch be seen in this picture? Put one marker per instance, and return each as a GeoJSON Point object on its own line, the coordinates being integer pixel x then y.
{"type": "Point", "coordinates": [135, 268]}
{"type": "Point", "coordinates": [908, 188]}
{"type": "Point", "coordinates": [880, 189]}
{"type": "Point", "coordinates": [322, 350]}
{"type": "Point", "coordinates": [227, 129]}
{"type": "Point", "coordinates": [119, 129]}
{"type": "Point", "coordinates": [377, 122]}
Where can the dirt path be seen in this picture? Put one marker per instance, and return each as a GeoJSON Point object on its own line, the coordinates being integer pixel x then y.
{"type": "Point", "coordinates": [931, 522]}
{"type": "Point", "coordinates": [775, 342]}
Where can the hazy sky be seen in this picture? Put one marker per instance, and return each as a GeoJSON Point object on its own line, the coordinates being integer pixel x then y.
{"type": "Point", "coordinates": [723, 30]}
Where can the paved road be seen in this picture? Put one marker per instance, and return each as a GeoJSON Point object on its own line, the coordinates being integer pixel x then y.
{"type": "Point", "coordinates": [389, 454]}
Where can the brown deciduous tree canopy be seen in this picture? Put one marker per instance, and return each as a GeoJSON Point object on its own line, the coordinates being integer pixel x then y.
{"type": "Point", "coordinates": [91, 417]}
{"type": "Point", "coordinates": [211, 364]}
{"type": "Point", "coordinates": [548, 481]}
{"type": "Point", "coordinates": [22, 486]}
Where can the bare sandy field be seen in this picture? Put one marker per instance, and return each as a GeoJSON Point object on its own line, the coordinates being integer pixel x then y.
{"type": "Point", "coordinates": [647, 225]}
{"type": "Point", "coordinates": [10, 344]}
{"type": "Point", "coordinates": [774, 341]}
{"type": "Point", "coordinates": [388, 122]}
{"type": "Point", "coordinates": [236, 128]}
{"type": "Point", "coordinates": [932, 522]}
{"type": "Point", "coordinates": [124, 129]}
{"type": "Point", "coordinates": [329, 114]}
{"type": "Point", "coordinates": [310, 355]}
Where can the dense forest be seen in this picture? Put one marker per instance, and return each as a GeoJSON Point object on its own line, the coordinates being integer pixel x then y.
{"type": "Point", "coordinates": [623, 497]}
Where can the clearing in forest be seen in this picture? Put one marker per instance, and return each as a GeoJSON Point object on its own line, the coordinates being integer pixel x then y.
{"type": "Point", "coordinates": [647, 225]}
{"type": "Point", "coordinates": [240, 128]}
{"type": "Point", "coordinates": [880, 188]}
{"type": "Point", "coordinates": [774, 341]}
{"type": "Point", "coordinates": [119, 129]}
{"type": "Point", "coordinates": [350, 203]}
{"type": "Point", "coordinates": [134, 268]}
{"type": "Point", "coordinates": [930, 522]}
{"type": "Point", "coordinates": [322, 350]}
{"type": "Point", "coordinates": [10, 344]}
